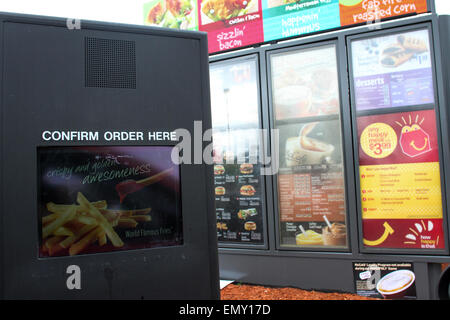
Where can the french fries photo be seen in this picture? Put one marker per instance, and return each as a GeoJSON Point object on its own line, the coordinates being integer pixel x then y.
{"type": "Point", "coordinates": [72, 228]}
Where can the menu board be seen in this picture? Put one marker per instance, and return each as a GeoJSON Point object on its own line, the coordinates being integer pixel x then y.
{"type": "Point", "coordinates": [400, 181]}
{"type": "Point", "coordinates": [393, 71]}
{"type": "Point", "coordinates": [311, 190]}
{"type": "Point", "coordinates": [305, 83]}
{"type": "Point", "coordinates": [102, 199]}
{"type": "Point", "coordinates": [311, 185]}
{"type": "Point", "coordinates": [288, 18]}
{"type": "Point", "coordinates": [231, 23]}
{"type": "Point", "coordinates": [177, 14]}
{"type": "Point", "coordinates": [238, 198]}
{"type": "Point", "coordinates": [363, 11]}
{"type": "Point", "coordinates": [239, 193]}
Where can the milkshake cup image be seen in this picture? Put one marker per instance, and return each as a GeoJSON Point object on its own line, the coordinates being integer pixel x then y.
{"type": "Point", "coordinates": [335, 236]}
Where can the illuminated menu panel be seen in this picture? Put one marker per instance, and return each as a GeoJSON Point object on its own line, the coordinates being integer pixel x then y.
{"type": "Point", "coordinates": [232, 24]}
{"type": "Point", "coordinates": [311, 184]}
{"type": "Point", "coordinates": [400, 181]}
{"type": "Point", "coordinates": [399, 165]}
{"type": "Point", "coordinates": [239, 193]}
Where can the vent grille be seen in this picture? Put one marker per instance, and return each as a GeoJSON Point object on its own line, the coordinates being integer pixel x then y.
{"type": "Point", "coordinates": [110, 63]}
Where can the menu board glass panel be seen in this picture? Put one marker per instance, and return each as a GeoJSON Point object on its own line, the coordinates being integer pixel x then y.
{"type": "Point", "coordinates": [102, 199]}
{"type": "Point", "coordinates": [239, 192]}
{"type": "Point", "coordinates": [399, 165]}
{"type": "Point", "coordinates": [311, 184]}
{"type": "Point", "coordinates": [400, 181]}
{"type": "Point", "coordinates": [393, 71]}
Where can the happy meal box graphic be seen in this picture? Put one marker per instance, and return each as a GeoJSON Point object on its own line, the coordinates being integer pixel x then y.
{"type": "Point", "coordinates": [407, 137]}
{"type": "Point", "coordinates": [414, 141]}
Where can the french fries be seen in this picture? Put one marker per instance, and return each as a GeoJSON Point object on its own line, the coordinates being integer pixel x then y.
{"type": "Point", "coordinates": [75, 227]}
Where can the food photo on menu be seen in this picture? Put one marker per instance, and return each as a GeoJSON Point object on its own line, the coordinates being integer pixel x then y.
{"type": "Point", "coordinates": [221, 10]}
{"type": "Point", "coordinates": [178, 14]}
{"type": "Point", "coordinates": [102, 199]}
{"type": "Point", "coordinates": [305, 83]}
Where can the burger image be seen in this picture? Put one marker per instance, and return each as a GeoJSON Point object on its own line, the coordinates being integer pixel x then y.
{"type": "Point", "coordinates": [250, 226]}
{"type": "Point", "coordinates": [220, 191]}
{"type": "Point", "coordinates": [246, 168]}
{"type": "Point", "coordinates": [219, 169]}
{"type": "Point", "coordinates": [247, 190]}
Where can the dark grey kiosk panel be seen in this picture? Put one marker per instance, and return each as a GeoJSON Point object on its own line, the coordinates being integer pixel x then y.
{"type": "Point", "coordinates": [94, 202]}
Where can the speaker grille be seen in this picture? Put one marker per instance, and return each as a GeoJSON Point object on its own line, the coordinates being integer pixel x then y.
{"type": "Point", "coordinates": [110, 63]}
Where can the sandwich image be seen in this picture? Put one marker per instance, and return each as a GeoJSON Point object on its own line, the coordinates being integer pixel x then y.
{"type": "Point", "coordinates": [402, 51]}
{"type": "Point", "coordinates": [247, 190]}
{"type": "Point", "coordinates": [217, 10]}
{"type": "Point", "coordinates": [219, 169]}
{"type": "Point", "coordinates": [220, 191]}
{"type": "Point", "coordinates": [246, 168]}
{"type": "Point", "coordinates": [245, 213]}
{"type": "Point", "coordinates": [250, 226]}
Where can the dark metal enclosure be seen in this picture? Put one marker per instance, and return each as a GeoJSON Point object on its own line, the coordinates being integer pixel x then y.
{"type": "Point", "coordinates": [100, 78]}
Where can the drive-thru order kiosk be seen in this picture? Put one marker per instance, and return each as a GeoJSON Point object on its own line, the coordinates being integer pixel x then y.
{"type": "Point", "coordinates": [358, 119]}
{"type": "Point", "coordinates": [94, 204]}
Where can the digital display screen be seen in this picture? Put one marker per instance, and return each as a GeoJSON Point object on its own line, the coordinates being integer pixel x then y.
{"type": "Point", "coordinates": [101, 199]}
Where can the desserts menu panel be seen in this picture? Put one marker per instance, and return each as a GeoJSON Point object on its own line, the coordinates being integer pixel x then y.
{"type": "Point", "coordinates": [399, 162]}
{"type": "Point", "coordinates": [311, 184]}
{"type": "Point", "coordinates": [239, 192]}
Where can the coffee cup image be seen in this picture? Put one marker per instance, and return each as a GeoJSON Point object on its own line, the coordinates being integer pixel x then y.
{"type": "Point", "coordinates": [395, 285]}
{"type": "Point", "coordinates": [335, 236]}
